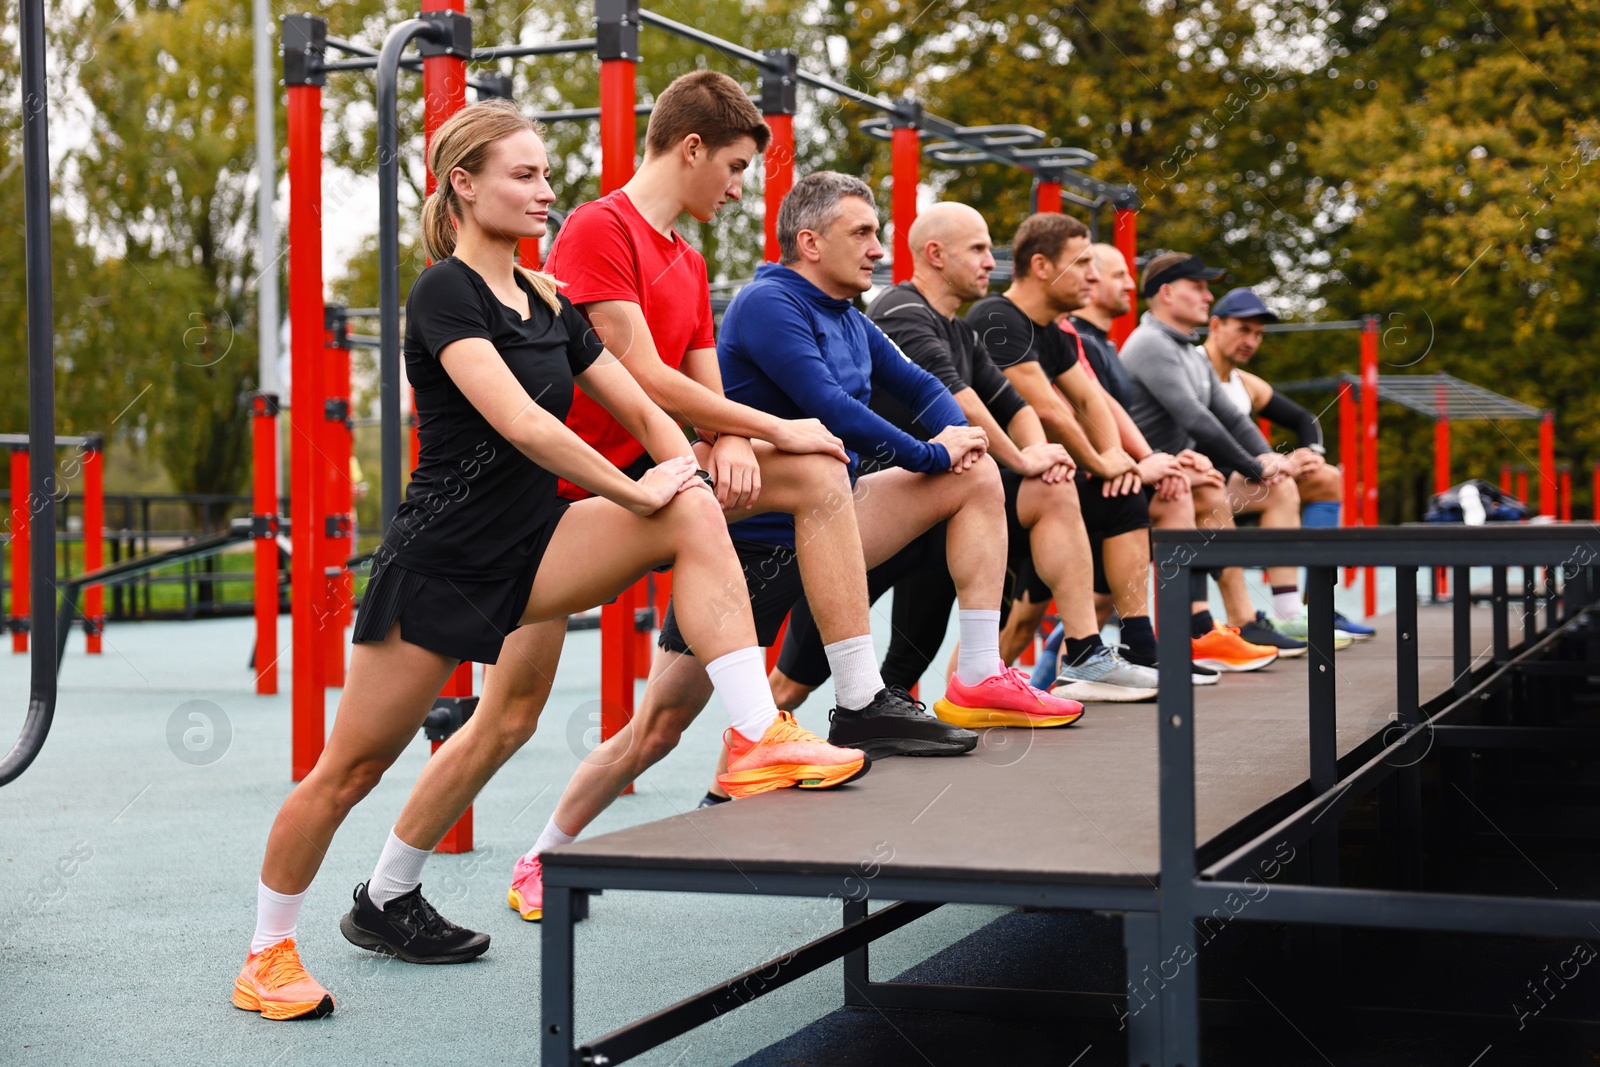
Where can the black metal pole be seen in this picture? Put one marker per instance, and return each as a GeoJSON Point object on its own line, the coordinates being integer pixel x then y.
{"type": "Point", "coordinates": [41, 393]}
{"type": "Point", "coordinates": [389, 252]}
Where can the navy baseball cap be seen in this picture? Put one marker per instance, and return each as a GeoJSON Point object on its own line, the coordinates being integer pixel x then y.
{"type": "Point", "coordinates": [1187, 267]}
{"type": "Point", "coordinates": [1242, 304]}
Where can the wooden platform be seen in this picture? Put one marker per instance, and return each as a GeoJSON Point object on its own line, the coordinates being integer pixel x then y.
{"type": "Point", "coordinates": [1075, 805]}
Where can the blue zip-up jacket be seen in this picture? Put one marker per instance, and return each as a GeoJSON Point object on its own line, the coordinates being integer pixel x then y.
{"type": "Point", "coordinates": [789, 349]}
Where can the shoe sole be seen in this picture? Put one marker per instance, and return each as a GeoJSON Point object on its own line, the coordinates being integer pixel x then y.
{"type": "Point", "coordinates": [373, 943]}
{"type": "Point", "coordinates": [532, 915]}
{"type": "Point", "coordinates": [740, 784]}
{"type": "Point", "coordinates": [984, 718]}
{"type": "Point", "coordinates": [1290, 653]}
{"type": "Point", "coordinates": [884, 747]}
{"type": "Point", "coordinates": [1236, 668]}
{"type": "Point", "coordinates": [246, 999]}
{"type": "Point", "coordinates": [1204, 679]}
{"type": "Point", "coordinates": [1085, 692]}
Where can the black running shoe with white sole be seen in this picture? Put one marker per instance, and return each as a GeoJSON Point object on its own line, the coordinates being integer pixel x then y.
{"type": "Point", "coordinates": [1261, 631]}
{"type": "Point", "coordinates": [896, 725]}
{"type": "Point", "coordinates": [1202, 675]}
{"type": "Point", "coordinates": [408, 928]}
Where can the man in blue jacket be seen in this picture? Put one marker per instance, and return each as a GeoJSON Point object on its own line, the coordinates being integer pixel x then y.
{"type": "Point", "coordinates": [793, 345]}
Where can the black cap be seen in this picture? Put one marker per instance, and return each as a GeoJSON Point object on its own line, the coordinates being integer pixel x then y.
{"type": "Point", "coordinates": [1188, 267]}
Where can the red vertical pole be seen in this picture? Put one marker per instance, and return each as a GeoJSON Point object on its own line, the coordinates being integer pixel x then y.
{"type": "Point", "coordinates": [779, 99]}
{"type": "Point", "coordinates": [338, 498]}
{"type": "Point", "coordinates": [905, 156]}
{"type": "Point", "coordinates": [779, 177]}
{"type": "Point", "coordinates": [94, 539]}
{"type": "Point", "coordinates": [1125, 234]}
{"type": "Point", "coordinates": [1049, 198]}
{"type": "Point", "coordinates": [306, 471]}
{"type": "Point", "coordinates": [1349, 466]}
{"type": "Point", "coordinates": [444, 92]}
{"type": "Point", "coordinates": [1369, 446]}
{"type": "Point", "coordinates": [21, 525]}
{"type": "Point", "coordinates": [1547, 464]}
{"type": "Point", "coordinates": [618, 126]}
{"type": "Point", "coordinates": [1594, 493]}
{"type": "Point", "coordinates": [617, 37]}
{"type": "Point", "coordinates": [528, 253]}
{"type": "Point", "coordinates": [1522, 484]}
{"type": "Point", "coordinates": [1441, 479]}
{"type": "Point", "coordinates": [264, 523]}
{"type": "Point", "coordinates": [1505, 478]}
{"type": "Point", "coordinates": [1265, 427]}
{"type": "Point", "coordinates": [1564, 510]}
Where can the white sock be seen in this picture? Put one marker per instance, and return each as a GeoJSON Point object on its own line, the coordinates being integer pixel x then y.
{"type": "Point", "coordinates": [277, 917]}
{"type": "Point", "coordinates": [553, 835]}
{"type": "Point", "coordinates": [398, 872]}
{"type": "Point", "coordinates": [1287, 605]}
{"type": "Point", "coordinates": [855, 671]}
{"type": "Point", "coordinates": [740, 679]}
{"type": "Point", "coordinates": [979, 655]}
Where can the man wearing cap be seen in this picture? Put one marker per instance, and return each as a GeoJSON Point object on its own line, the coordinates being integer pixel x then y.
{"type": "Point", "coordinates": [1238, 325]}
{"type": "Point", "coordinates": [1177, 403]}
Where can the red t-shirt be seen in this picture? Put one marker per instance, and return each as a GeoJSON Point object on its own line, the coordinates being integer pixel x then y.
{"type": "Point", "coordinates": [607, 251]}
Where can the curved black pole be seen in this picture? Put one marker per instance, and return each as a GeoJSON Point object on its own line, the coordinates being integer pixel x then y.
{"type": "Point", "coordinates": [41, 394]}
{"type": "Point", "coordinates": [389, 252]}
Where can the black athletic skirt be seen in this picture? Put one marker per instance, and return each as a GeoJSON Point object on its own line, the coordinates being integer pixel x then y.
{"type": "Point", "coordinates": [464, 620]}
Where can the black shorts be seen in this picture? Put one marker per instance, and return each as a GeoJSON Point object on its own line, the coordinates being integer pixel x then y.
{"type": "Point", "coordinates": [1110, 516]}
{"type": "Point", "coordinates": [460, 619]}
{"type": "Point", "coordinates": [772, 583]}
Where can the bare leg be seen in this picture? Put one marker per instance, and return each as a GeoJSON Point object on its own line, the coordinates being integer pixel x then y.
{"type": "Point", "coordinates": [676, 692]}
{"type": "Point", "coordinates": [1279, 507]}
{"type": "Point", "coordinates": [1061, 555]}
{"type": "Point", "coordinates": [894, 506]}
{"type": "Point", "coordinates": [506, 717]}
{"type": "Point", "coordinates": [387, 695]}
{"type": "Point", "coordinates": [1127, 562]}
{"type": "Point", "coordinates": [1021, 626]}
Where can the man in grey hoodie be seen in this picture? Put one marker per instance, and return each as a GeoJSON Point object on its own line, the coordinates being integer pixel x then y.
{"type": "Point", "coordinates": [1178, 403]}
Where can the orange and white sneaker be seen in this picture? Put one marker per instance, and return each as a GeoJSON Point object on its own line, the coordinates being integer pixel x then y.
{"type": "Point", "coordinates": [1224, 650]}
{"type": "Point", "coordinates": [1004, 699]}
{"type": "Point", "coordinates": [787, 755]}
{"type": "Point", "coordinates": [526, 895]}
{"type": "Point", "coordinates": [274, 983]}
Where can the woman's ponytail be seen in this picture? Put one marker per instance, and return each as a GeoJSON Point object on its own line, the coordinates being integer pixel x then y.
{"type": "Point", "coordinates": [438, 224]}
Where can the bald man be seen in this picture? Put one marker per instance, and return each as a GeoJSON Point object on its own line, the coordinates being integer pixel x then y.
{"type": "Point", "coordinates": [1047, 544]}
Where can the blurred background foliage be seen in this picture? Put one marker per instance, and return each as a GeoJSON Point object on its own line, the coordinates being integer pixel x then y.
{"type": "Point", "coordinates": [1429, 163]}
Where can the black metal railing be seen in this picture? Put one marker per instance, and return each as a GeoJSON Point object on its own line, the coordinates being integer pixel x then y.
{"type": "Point", "coordinates": [1194, 885]}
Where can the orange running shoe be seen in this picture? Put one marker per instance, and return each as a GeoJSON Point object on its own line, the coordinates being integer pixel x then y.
{"type": "Point", "coordinates": [1005, 699]}
{"type": "Point", "coordinates": [1224, 650]}
{"type": "Point", "coordinates": [787, 755]}
{"type": "Point", "coordinates": [274, 983]}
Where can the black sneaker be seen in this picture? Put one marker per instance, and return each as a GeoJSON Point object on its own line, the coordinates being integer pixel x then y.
{"type": "Point", "coordinates": [1260, 631]}
{"type": "Point", "coordinates": [896, 725]}
{"type": "Point", "coordinates": [408, 928]}
{"type": "Point", "coordinates": [1202, 675]}
{"type": "Point", "coordinates": [711, 800]}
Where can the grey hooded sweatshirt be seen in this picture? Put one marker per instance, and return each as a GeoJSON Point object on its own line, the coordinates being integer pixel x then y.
{"type": "Point", "coordinates": [1177, 400]}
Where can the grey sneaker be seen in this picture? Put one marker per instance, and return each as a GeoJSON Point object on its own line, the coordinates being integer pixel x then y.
{"type": "Point", "coordinates": [1299, 628]}
{"type": "Point", "coordinates": [1105, 677]}
{"type": "Point", "coordinates": [1263, 631]}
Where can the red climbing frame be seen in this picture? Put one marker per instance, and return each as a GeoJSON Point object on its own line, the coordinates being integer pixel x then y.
{"type": "Point", "coordinates": [264, 526]}
{"type": "Point", "coordinates": [1125, 234]}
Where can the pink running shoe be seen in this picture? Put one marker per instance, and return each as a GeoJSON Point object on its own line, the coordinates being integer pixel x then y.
{"type": "Point", "coordinates": [526, 895]}
{"type": "Point", "coordinates": [1004, 699]}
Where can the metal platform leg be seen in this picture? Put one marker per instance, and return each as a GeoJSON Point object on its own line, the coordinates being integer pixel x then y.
{"type": "Point", "coordinates": [1141, 939]}
{"type": "Point", "coordinates": [555, 978]}
{"type": "Point", "coordinates": [856, 977]}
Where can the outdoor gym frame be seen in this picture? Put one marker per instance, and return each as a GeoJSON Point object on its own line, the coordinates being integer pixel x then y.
{"type": "Point", "coordinates": [319, 352]}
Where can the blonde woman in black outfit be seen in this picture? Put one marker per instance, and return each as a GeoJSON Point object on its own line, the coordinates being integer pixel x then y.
{"type": "Point", "coordinates": [482, 545]}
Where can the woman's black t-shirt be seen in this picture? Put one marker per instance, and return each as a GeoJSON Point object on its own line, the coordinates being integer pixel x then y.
{"type": "Point", "coordinates": [475, 501]}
